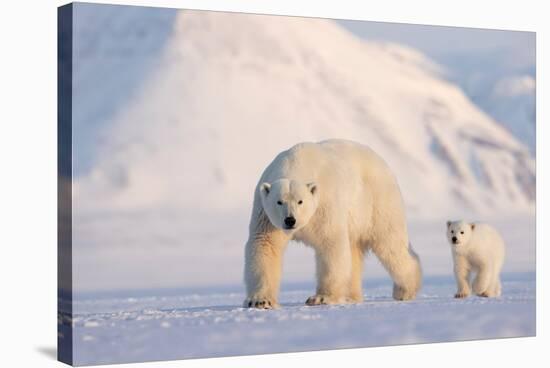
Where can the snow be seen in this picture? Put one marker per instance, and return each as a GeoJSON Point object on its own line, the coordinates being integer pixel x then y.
{"type": "Point", "coordinates": [197, 122]}
{"type": "Point", "coordinates": [495, 68]}
{"type": "Point", "coordinates": [118, 60]}
{"type": "Point", "coordinates": [178, 324]}
{"type": "Point", "coordinates": [182, 250]}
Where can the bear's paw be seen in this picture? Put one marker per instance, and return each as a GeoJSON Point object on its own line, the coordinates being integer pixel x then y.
{"type": "Point", "coordinates": [260, 302]}
{"type": "Point", "coordinates": [461, 295]}
{"type": "Point", "coordinates": [402, 294]}
{"type": "Point", "coordinates": [322, 299]}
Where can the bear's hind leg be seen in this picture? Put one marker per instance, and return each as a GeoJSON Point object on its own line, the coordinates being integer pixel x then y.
{"type": "Point", "coordinates": [497, 291]}
{"type": "Point", "coordinates": [497, 286]}
{"type": "Point", "coordinates": [483, 282]}
{"type": "Point", "coordinates": [494, 289]}
{"type": "Point", "coordinates": [403, 265]}
{"type": "Point", "coordinates": [357, 258]}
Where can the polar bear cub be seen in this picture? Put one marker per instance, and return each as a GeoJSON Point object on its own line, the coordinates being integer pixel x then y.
{"type": "Point", "coordinates": [477, 248]}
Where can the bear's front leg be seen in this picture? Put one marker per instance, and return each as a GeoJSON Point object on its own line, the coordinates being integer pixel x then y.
{"type": "Point", "coordinates": [462, 275]}
{"type": "Point", "coordinates": [334, 266]}
{"type": "Point", "coordinates": [263, 266]}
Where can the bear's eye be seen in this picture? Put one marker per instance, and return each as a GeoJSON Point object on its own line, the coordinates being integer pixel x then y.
{"type": "Point", "coordinates": [452, 231]}
{"type": "Point", "coordinates": [300, 201]}
{"type": "Point", "coordinates": [462, 232]}
{"type": "Point", "coordinates": [279, 203]}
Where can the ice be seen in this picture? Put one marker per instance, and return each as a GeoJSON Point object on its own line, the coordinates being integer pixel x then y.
{"type": "Point", "coordinates": [175, 326]}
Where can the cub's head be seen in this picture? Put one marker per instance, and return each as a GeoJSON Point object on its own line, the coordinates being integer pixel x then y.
{"type": "Point", "coordinates": [459, 232]}
{"type": "Point", "coordinates": [289, 204]}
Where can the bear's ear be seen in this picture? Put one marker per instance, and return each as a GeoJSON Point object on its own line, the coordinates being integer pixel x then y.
{"type": "Point", "coordinates": [473, 226]}
{"type": "Point", "coordinates": [265, 188]}
{"type": "Point", "coordinates": [312, 187]}
{"type": "Point", "coordinates": [448, 224]}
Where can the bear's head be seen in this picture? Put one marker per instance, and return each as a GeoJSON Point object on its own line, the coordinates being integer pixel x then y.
{"type": "Point", "coordinates": [289, 204]}
{"type": "Point", "coordinates": [459, 232]}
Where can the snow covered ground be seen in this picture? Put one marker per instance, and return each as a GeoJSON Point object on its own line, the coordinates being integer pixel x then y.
{"type": "Point", "coordinates": [177, 324]}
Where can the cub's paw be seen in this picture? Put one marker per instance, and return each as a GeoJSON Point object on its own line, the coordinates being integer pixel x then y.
{"type": "Point", "coordinates": [461, 295]}
{"type": "Point", "coordinates": [260, 303]}
{"type": "Point", "coordinates": [321, 299]}
{"type": "Point", "coordinates": [483, 294]}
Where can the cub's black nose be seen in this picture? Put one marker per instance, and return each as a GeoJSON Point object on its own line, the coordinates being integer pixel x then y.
{"type": "Point", "coordinates": [290, 221]}
{"type": "Point", "coordinates": [454, 239]}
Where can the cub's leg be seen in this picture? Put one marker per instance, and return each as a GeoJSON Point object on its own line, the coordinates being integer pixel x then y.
{"type": "Point", "coordinates": [263, 263]}
{"type": "Point", "coordinates": [495, 288]}
{"type": "Point", "coordinates": [497, 291]}
{"type": "Point", "coordinates": [483, 281]}
{"type": "Point", "coordinates": [334, 264]}
{"type": "Point", "coordinates": [462, 275]}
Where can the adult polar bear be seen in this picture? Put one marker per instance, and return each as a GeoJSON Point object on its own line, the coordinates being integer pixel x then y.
{"type": "Point", "coordinates": [340, 198]}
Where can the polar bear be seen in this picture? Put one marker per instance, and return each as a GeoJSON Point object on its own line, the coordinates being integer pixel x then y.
{"type": "Point", "coordinates": [476, 248]}
{"type": "Point", "coordinates": [340, 198]}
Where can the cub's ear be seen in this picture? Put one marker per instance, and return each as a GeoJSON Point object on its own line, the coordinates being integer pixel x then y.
{"type": "Point", "coordinates": [312, 187]}
{"type": "Point", "coordinates": [265, 188]}
{"type": "Point", "coordinates": [473, 226]}
{"type": "Point", "coordinates": [448, 224]}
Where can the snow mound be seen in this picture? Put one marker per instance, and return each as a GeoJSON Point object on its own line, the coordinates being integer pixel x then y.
{"type": "Point", "coordinates": [229, 91]}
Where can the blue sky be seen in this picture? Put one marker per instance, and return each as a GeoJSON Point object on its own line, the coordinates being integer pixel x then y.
{"type": "Point", "coordinates": [440, 42]}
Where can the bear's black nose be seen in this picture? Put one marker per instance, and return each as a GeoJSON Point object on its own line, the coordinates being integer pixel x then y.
{"type": "Point", "coordinates": [290, 222]}
{"type": "Point", "coordinates": [454, 239]}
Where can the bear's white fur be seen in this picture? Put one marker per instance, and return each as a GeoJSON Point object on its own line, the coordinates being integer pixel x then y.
{"type": "Point", "coordinates": [477, 248]}
{"type": "Point", "coordinates": [345, 202]}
